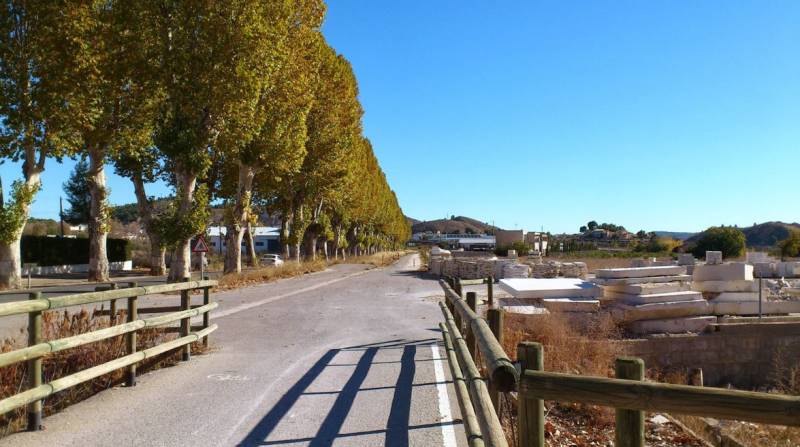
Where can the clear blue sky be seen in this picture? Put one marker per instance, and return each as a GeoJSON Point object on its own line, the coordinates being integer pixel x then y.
{"type": "Point", "coordinates": [654, 115]}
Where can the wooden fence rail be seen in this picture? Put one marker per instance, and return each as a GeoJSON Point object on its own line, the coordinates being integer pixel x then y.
{"type": "Point", "coordinates": [38, 348]}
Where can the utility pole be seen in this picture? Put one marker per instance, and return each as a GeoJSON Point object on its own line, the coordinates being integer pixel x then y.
{"type": "Point", "coordinates": [61, 214]}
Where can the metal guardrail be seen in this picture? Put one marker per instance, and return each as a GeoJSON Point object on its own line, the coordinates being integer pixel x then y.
{"type": "Point", "coordinates": [38, 348]}
{"type": "Point", "coordinates": [628, 393]}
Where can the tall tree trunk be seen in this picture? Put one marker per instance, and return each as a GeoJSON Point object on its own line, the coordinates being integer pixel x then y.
{"type": "Point", "coordinates": [238, 217]}
{"type": "Point", "coordinates": [180, 265]}
{"type": "Point", "coordinates": [284, 239]}
{"type": "Point", "coordinates": [10, 254]}
{"type": "Point", "coordinates": [325, 249]}
{"type": "Point", "coordinates": [250, 245]}
{"type": "Point", "coordinates": [158, 266]}
{"type": "Point", "coordinates": [98, 221]}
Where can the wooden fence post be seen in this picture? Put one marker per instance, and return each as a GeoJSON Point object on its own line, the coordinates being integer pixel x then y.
{"type": "Point", "coordinates": [490, 291]}
{"type": "Point", "coordinates": [495, 319]}
{"type": "Point", "coordinates": [112, 311]}
{"type": "Point", "coordinates": [472, 302]}
{"type": "Point", "coordinates": [630, 423]}
{"type": "Point", "coordinates": [186, 323]}
{"type": "Point", "coordinates": [207, 315]}
{"type": "Point", "coordinates": [130, 340]}
{"type": "Point", "coordinates": [34, 365]}
{"type": "Point", "coordinates": [458, 288]}
{"type": "Point", "coordinates": [530, 412]}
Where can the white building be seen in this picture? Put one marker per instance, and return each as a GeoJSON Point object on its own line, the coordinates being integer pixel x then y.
{"type": "Point", "coordinates": [266, 239]}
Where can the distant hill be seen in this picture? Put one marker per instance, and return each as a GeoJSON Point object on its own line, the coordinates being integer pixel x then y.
{"type": "Point", "coordinates": [679, 235]}
{"type": "Point", "coordinates": [458, 224]}
{"type": "Point", "coordinates": [764, 235]}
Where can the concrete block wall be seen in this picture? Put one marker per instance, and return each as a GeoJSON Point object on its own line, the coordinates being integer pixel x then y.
{"type": "Point", "coordinates": [743, 356]}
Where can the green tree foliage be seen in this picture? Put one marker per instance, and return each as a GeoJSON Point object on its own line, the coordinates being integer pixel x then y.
{"type": "Point", "coordinates": [790, 247]}
{"type": "Point", "coordinates": [592, 225]}
{"type": "Point", "coordinates": [76, 188]}
{"type": "Point", "coordinates": [729, 240]}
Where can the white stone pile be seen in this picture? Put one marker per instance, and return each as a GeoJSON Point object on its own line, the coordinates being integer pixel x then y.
{"type": "Point", "coordinates": [486, 267]}
{"type": "Point", "coordinates": [499, 264]}
{"type": "Point", "coordinates": [515, 270]}
{"type": "Point", "coordinates": [731, 289]}
{"type": "Point", "coordinates": [435, 266]}
{"type": "Point", "coordinates": [553, 294]}
{"type": "Point", "coordinates": [468, 270]}
{"type": "Point", "coordinates": [574, 270]}
{"type": "Point", "coordinates": [549, 269]}
{"type": "Point", "coordinates": [655, 299]}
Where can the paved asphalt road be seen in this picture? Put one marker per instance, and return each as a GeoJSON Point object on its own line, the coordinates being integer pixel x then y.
{"type": "Point", "coordinates": [341, 357]}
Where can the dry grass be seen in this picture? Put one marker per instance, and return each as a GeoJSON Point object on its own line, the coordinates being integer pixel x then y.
{"type": "Point", "coordinates": [57, 325]}
{"type": "Point", "coordinates": [381, 259]}
{"type": "Point", "coordinates": [288, 269]}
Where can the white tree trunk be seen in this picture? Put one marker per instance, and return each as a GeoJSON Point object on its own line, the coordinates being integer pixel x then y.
{"type": "Point", "coordinates": [238, 216]}
{"type": "Point", "coordinates": [250, 246]}
{"type": "Point", "coordinates": [180, 266]}
{"type": "Point", "coordinates": [98, 258]}
{"type": "Point", "coordinates": [158, 266]}
{"type": "Point", "coordinates": [10, 265]}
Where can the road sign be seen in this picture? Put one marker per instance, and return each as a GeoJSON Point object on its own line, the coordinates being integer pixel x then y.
{"type": "Point", "coordinates": [200, 246]}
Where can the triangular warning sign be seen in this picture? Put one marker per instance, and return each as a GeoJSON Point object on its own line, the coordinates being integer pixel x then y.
{"type": "Point", "coordinates": [200, 246]}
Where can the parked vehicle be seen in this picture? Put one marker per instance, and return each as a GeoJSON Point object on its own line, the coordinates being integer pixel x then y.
{"type": "Point", "coordinates": [271, 260]}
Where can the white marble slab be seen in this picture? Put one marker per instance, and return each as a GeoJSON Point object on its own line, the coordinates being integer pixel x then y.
{"type": "Point", "coordinates": [641, 272]}
{"type": "Point", "coordinates": [550, 288]}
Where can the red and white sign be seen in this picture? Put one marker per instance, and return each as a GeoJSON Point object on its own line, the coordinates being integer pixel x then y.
{"type": "Point", "coordinates": [200, 246]}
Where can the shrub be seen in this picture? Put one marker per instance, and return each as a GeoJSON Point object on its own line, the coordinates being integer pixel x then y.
{"type": "Point", "coordinates": [44, 250]}
{"type": "Point", "coordinates": [729, 240]}
{"type": "Point", "coordinates": [521, 248]}
{"type": "Point", "coordinates": [790, 247]}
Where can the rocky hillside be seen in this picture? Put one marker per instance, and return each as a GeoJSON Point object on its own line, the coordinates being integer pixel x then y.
{"type": "Point", "coordinates": [457, 224]}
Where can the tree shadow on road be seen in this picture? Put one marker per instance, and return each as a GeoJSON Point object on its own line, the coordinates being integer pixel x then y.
{"type": "Point", "coordinates": [397, 425]}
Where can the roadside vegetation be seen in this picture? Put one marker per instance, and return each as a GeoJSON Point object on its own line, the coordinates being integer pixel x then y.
{"type": "Point", "coordinates": [61, 324]}
{"type": "Point", "coordinates": [252, 112]}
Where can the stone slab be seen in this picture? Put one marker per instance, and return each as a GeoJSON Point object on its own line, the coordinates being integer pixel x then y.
{"type": "Point", "coordinates": [571, 304]}
{"type": "Point", "coordinates": [733, 271]}
{"type": "Point", "coordinates": [645, 280]}
{"type": "Point", "coordinates": [713, 257]}
{"type": "Point", "coordinates": [648, 288]}
{"type": "Point", "coordinates": [654, 311]}
{"type": "Point", "coordinates": [550, 288]}
{"type": "Point", "coordinates": [654, 297]}
{"type": "Point", "coordinates": [672, 325]}
{"type": "Point", "coordinates": [751, 308]}
{"type": "Point", "coordinates": [734, 297]}
{"type": "Point", "coordinates": [641, 272]}
{"type": "Point", "coordinates": [518, 306]}
{"type": "Point", "coordinates": [725, 286]}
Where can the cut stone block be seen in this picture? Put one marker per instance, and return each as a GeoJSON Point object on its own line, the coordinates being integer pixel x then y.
{"type": "Point", "coordinates": [725, 286]}
{"type": "Point", "coordinates": [648, 288]}
{"type": "Point", "coordinates": [645, 280]}
{"type": "Point", "coordinates": [641, 272]}
{"type": "Point", "coordinates": [734, 271]}
{"type": "Point", "coordinates": [686, 259]}
{"type": "Point", "coordinates": [655, 297]}
{"type": "Point", "coordinates": [672, 325]}
{"type": "Point", "coordinates": [654, 311]}
{"type": "Point", "coordinates": [751, 307]}
{"type": "Point", "coordinates": [550, 288]}
{"type": "Point", "coordinates": [735, 297]}
{"type": "Point", "coordinates": [713, 257]}
{"type": "Point", "coordinates": [519, 306]}
{"type": "Point", "coordinates": [571, 304]}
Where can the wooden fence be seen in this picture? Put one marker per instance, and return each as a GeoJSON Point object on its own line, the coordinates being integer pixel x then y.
{"type": "Point", "coordinates": [37, 348]}
{"type": "Point", "coordinates": [628, 393]}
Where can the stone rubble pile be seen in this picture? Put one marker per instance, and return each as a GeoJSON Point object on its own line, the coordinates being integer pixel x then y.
{"type": "Point", "coordinates": [574, 270]}
{"type": "Point", "coordinates": [468, 270]}
{"type": "Point", "coordinates": [515, 270]}
{"type": "Point", "coordinates": [549, 269]}
{"type": "Point", "coordinates": [655, 299]}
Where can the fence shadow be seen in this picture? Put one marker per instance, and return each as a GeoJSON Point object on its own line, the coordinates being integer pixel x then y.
{"type": "Point", "coordinates": [397, 426]}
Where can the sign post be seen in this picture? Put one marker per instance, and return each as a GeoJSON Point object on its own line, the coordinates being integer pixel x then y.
{"type": "Point", "coordinates": [202, 248]}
